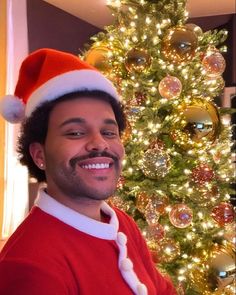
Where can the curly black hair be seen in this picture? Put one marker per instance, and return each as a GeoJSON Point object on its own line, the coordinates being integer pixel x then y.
{"type": "Point", "coordinates": [35, 127]}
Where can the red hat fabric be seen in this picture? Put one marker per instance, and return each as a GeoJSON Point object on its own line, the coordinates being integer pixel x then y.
{"type": "Point", "coordinates": [46, 75]}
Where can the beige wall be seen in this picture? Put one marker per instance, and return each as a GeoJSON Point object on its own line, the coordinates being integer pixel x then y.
{"type": "Point", "coordinates": [2, 92]}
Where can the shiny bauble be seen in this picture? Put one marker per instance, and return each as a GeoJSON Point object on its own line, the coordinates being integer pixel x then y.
{"type": "Point", "coordinates": [230, 234]}
{"type": "Point", "coordinates": [202, 174]}
{"type": "Point", "coordinates": [142, 199]}
{"type": "Point", "coordinates": [215, 83]}
{"type": "Point", "coordinates": [152, 246]}
{"type": "Point", "coordinates": [223, 214]}
{"type": "Point", "coordinates": [133, 112]}
{"type": "Point", "coordinates": [179, 44]}
{"type": "Point", "coordinates": [205, 196]}
{"type": "Point", "coordinates": [159, 203]}
{"type": "Point", "coordinates": [214, 63]}
{"type": "Point", "coordinates": [155, 207]}
{"type": "Point", "coordinates": [155, 232]}
{"type": "Point", "coordinates": [170, 87]}
{"type": "Point", "coordinates": [137, 60]}
{"type": "Point", "coordinates": [221, 269]}
{"type": "Point", "coordinates": [155, 163]}
{"type": "Point", "coordinates": [118, 202]}
{"type": "Point", "coordinates": [151, 215]}
{"type": "Point", "coordinates": [99, 57]}
{"type": "Point", "coordinates": [196, 29]}
{"type": "Point", "coordinates": [199, 126]}
{"type": "Point", "coordinates": [181, 215]}
{"type": "Point", "coordinates": [167, 250]}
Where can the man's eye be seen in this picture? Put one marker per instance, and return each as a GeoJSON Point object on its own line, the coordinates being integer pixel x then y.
{"type": "Point", "coordinates": [75, 133]}
{"type": "Point", "coordinates": [110, 133]}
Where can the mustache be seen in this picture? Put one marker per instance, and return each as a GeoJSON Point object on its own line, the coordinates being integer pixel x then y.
{"type": "Point", "coordinates": [93, 154]}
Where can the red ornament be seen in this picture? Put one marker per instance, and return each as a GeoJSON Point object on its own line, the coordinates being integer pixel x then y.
{"type": "Point", "coordinates": [223, 214]}
{"type": "Point", "coordinates": [202, 174]}
{"type": "Point", "coordinates": [214, 63]}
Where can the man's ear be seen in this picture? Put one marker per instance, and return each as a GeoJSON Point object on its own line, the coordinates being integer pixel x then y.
{"type": "Point", "coordinates": [37, 153]}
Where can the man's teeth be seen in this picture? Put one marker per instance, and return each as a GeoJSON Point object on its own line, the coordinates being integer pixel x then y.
{"type": "Point", "coordinates": [96, 166]}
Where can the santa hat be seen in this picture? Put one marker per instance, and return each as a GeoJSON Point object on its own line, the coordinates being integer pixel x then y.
{"type": "Point", "coordinates": [46, 75]}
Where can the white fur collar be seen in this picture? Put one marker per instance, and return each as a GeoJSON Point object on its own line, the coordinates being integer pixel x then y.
{"type": "Point", "coordinates": [81, 222]}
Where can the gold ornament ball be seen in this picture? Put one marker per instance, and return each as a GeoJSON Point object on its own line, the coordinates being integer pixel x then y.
{"type": "Point", "coordinates": [168, 250]}
{"type": "Point", "coordinates": [205, 195]}
{"type": "Point", "coordinates": [159, 203]}
{"type": "Point", "coordinates": [155, 232]}
{"type": "Point", "coordinates": [98, 57]}
{"type": "Point", "coordinates": [217, 275]}
{"type": "Point", "coordinates": [137, 60]}
{"type": "Point", "coordinates": [170, 87]}
{"type": "Point", "coordinates": [221, 269]}
{"type": "Point", "coordinates": [142, 199]}
{"type": "Point", "coordinates": [200, 124]}
{"type": "Point", "coordinates": [215, 83]}
{"type": "Point", "coordinates": [118, 202]}
{"type": "Point", "coordinates": [179, 44]}
{"type": "Point", "coordinates": [230, 234]}
{"type": "Point", "coordinates": [155, 163]}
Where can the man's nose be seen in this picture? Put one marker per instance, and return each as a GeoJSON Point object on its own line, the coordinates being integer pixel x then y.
{"type": "Point", "coordinates": [96, 142]}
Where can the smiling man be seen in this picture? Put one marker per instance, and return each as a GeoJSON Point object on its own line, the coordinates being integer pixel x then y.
{"type": "Point", "coordinates": [72, 242]}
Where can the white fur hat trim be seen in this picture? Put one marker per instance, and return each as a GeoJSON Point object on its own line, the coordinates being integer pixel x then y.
{"type": "Point", "coordinates": [12, 108]}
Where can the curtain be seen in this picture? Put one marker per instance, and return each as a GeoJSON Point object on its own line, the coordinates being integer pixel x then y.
{"type": "Point", "coordinates": [15, 194]}
{"type": "Point", "coordinates": [2, 92]}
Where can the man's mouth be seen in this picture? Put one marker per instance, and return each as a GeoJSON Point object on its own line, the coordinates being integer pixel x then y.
{"type": "Point", "coordinates": [95, 161]}
{"type": "Point", "coordinates": [96, 166]}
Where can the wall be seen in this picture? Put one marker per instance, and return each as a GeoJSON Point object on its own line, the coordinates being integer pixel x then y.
{"type": "Point", "coordinates": [227, 22]}
{"type": "Point", "coordinates": [51, 27]}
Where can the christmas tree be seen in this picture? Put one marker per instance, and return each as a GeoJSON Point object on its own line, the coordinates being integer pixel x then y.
{"type": "Point", "coordinates": [178, 169]}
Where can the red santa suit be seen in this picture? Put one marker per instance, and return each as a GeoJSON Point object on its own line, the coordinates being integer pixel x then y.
{"type": "Point", "coordinates": [57, 251]}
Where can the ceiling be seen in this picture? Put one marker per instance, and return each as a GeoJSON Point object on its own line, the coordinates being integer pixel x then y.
{"type": "Point", "coordinates": [96, 12]}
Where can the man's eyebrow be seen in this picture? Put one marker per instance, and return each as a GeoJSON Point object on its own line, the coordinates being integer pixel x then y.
{"type": "Point", "coordinates": [79, 120]}
{"type": "Point", "coordinates": [73, 120]}
{"type": "Point", "coordinates": [110, 121]}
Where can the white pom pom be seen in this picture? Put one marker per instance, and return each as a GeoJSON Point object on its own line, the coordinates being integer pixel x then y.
{"type": "Point", "coordinates": [141, 289]}
{"type": "Point", "coordinates": [12, 109]}
{"type": "Point", "coordinates": [121, 238]}
{"type": "Point", "coordinates": [126, 264]}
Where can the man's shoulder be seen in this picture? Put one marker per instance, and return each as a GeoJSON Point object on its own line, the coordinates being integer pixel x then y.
{"type": "Point", "coordinates": [30, 236]}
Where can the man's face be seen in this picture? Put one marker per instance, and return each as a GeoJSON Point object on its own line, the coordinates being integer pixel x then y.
{"type": "Point", "coordinates": [83, 150]}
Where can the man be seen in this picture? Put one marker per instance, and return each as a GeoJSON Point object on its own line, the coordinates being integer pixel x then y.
{"type": "Point", "coordinates": [72, 242]}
